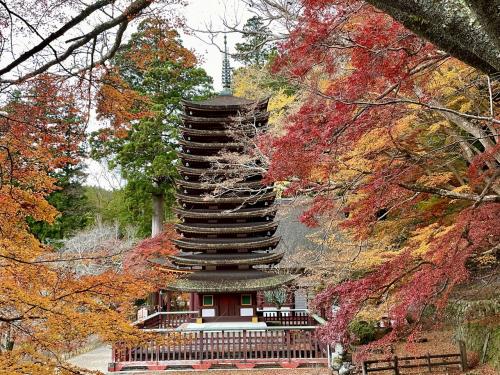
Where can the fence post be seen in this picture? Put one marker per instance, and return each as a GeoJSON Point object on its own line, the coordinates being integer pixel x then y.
{"type": "Point", "coordinates": [396, 365]}
{"type": "Point", "coordinates": [463, 356]}
{"type": "Point", "coordinates": [429, 361]}
{"type": "Point", "coordinates": [365, 368]}
{"type": "Point", "coordinates": [288, 344]}
{"type": "Point", "coordinates": [202, 339]}
{"type": "Point", "coordinates": [245, 354]}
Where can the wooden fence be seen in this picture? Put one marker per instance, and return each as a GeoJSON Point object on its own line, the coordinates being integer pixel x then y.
{"type": "Point", "coordinates": [426, 363]}
{"type": "Point", "coordinates": [225, 346]}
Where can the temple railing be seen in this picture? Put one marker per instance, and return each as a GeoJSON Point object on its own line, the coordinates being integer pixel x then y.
{"type": "Point", "coordinates": [273, 317]}
{"type": "Point", "coordinates": [294, 345]}
{"type": "Point", "coordinates": [288, 317]}
{"type": "Point", "coordinates": [171, 319]}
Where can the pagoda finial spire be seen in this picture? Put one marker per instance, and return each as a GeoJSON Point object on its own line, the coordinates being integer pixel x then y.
{"type": "Point", "coordinates": [226, 71]}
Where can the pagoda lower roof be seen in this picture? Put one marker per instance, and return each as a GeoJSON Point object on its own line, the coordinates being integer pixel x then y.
{"type": "Point", "coordinates": [222, 214]}
{"type": "Point", "coordinates": [205, 244]}
{"type": "Point", "coordinates": [225, 281]}
{"type": "Point", "coordinates": [226, 259]}
{"type": "Point", "coordinates": [209, 145]}
{"type": "Point", "coordinates": [223, 228]}
{"type": "Point", "coordinates": [207, 199]}
{"type": "Point", "coordinates": [207, 186]}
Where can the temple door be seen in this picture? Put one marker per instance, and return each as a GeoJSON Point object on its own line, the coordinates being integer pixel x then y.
{"type": "Point", "coordinates": [228, 305]}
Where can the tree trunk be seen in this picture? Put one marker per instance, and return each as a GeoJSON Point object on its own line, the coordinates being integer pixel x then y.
{"type": "Point", "coordinates": [466, 29]}
{"type": "Point", "coordinates": [158, 214]}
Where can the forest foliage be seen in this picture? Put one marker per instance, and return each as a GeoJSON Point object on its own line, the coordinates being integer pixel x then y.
{"type": "Point", "coordinates": [141, 99]}
{"type": "Point", "coordinates": [55, 293]}
{"type": "Point", "coordinates": [397, 143]}
{"type": "Point", "coordinates": [393, 141]}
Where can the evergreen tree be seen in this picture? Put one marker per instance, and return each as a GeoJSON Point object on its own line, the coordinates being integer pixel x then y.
{"type": "Point", "coordinates": [153, 72]}
{"type": "Point", "coordinates": [257, 48]}
{"type": "Point", "coordinates": [72, 204]}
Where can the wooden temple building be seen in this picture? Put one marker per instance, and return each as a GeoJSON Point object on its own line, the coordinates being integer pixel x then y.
{"type": "Point", "coordinates": [226, 247]}
{"type": "Point", "coordinates": [227, 238]}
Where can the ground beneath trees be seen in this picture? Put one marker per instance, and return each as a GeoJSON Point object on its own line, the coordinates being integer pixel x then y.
{"type": "Point", "coordinates": [278, 371]}
{"type": "Point", "coordinates": [96, 359]}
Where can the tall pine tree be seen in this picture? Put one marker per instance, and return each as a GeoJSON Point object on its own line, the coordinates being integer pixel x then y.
{"type": "Point", "coordinates": [142, 100]}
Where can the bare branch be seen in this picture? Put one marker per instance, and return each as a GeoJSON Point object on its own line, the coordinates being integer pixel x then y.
{"type": "Point", "coordinates": [450, 194]}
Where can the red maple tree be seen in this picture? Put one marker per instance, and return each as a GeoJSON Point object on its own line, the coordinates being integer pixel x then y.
{"type": "Point", "coordinates": [403, 140]}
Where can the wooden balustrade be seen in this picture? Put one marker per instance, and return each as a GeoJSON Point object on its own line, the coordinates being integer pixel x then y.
{"type": "Point", "coordinates": [172, 319]}
{"type": "Point", "coordinates": [274, 317]}
{"type": "Point", "coordinates": [226, 345]}
{"type": "Point", "coordinates": [289, 317]}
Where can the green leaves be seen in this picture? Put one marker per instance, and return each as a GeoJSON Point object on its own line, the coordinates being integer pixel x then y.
{"type": "Point", "coordinates": [156, 66]}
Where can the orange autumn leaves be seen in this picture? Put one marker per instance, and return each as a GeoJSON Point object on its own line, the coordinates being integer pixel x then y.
{"type": "Point", "coordinates": [45, 307]}
{"type": "Point", "coordinates": [118, 101]}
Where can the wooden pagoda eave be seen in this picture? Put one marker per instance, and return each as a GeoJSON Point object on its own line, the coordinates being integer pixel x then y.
{"type": "Point", "coordinates": [218, 214]}
{"type": "Point", "coordinates": [219, 282]}
{"type": "Point", "coordinates": [173, 269]}
{"type": "Point", "coordinates": [233, 243]}
{"type": "Point", "coordinates": [226, 229]}
{"type": "Point", "coordinates": [227, 259]}
{"type": "Point", "coordinates": [208, 145]}
{"type": "Point", "coordinates": [224, 104]}
{"type": "Point", "coordinates": [164, 265]}
{"type": "Point", "coordinates": [200, 158]}
{"type": "Point", "coordinates": [185, 157]}
{"type": "Point", "coordinates": [205, 132]}
{"type": "Point", "coordinates": [207, 186]}
{"type": "Point", "coordinates": [244, 118]}
{"type": "Point", "coordinates": [200, 171]}
{"type": "Point", "coordinates": [238, 199]}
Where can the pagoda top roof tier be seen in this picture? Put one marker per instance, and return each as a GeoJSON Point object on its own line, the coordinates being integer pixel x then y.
{"type": "Point", "coordinates": [222, 281]}
{"type": "Point", "coordinates": [205, 244]}
{"type": "Point", "coordinates": [225, 199]}
{"type": "Point", "coordinates": [225, 228]}
{"type": "Point", "coordinates": [226, 259]}
{"type": "Point", "coordinates": [224, 103]}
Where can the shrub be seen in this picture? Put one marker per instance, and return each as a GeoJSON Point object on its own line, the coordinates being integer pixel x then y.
{"type": "Point", "coordinates": [365, 332]}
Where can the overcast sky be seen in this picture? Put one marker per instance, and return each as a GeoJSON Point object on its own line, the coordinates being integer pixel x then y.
{"type": "Point", "coordinates": [203, 14]}
{"type": "Point", "coordinates": [200, 15]}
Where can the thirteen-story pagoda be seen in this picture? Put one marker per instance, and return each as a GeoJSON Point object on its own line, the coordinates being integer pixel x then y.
{"type": "Point", "coordinates": [227, 239]}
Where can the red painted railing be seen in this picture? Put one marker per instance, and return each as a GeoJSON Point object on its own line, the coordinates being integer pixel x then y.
{"type": "Point", "coordinates": [172, 319]}
{"type": "Point", "coordinates": [272, 344]}
{"type": "Point", "coordinates": [291, 317]}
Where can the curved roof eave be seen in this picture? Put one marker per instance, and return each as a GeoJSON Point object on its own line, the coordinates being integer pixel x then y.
{"type": "Point", "coordinates": [235, 244]}
{"type": "Point", "coordinates": [241, 228]}
{"type": "Point", "coordinates": [251, 259]}
{"type": "Point", "coordinates": [230, 286]}
{"type": "Point", "coordinates": [224, 102]}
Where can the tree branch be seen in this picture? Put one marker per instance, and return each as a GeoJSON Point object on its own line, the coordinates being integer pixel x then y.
{"type": "Point", "coordinates": [130, 12]}
{"type": "Point", "coordinates": [449, 194]}
{"type": "Point", "coordinates": [56, 34]}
